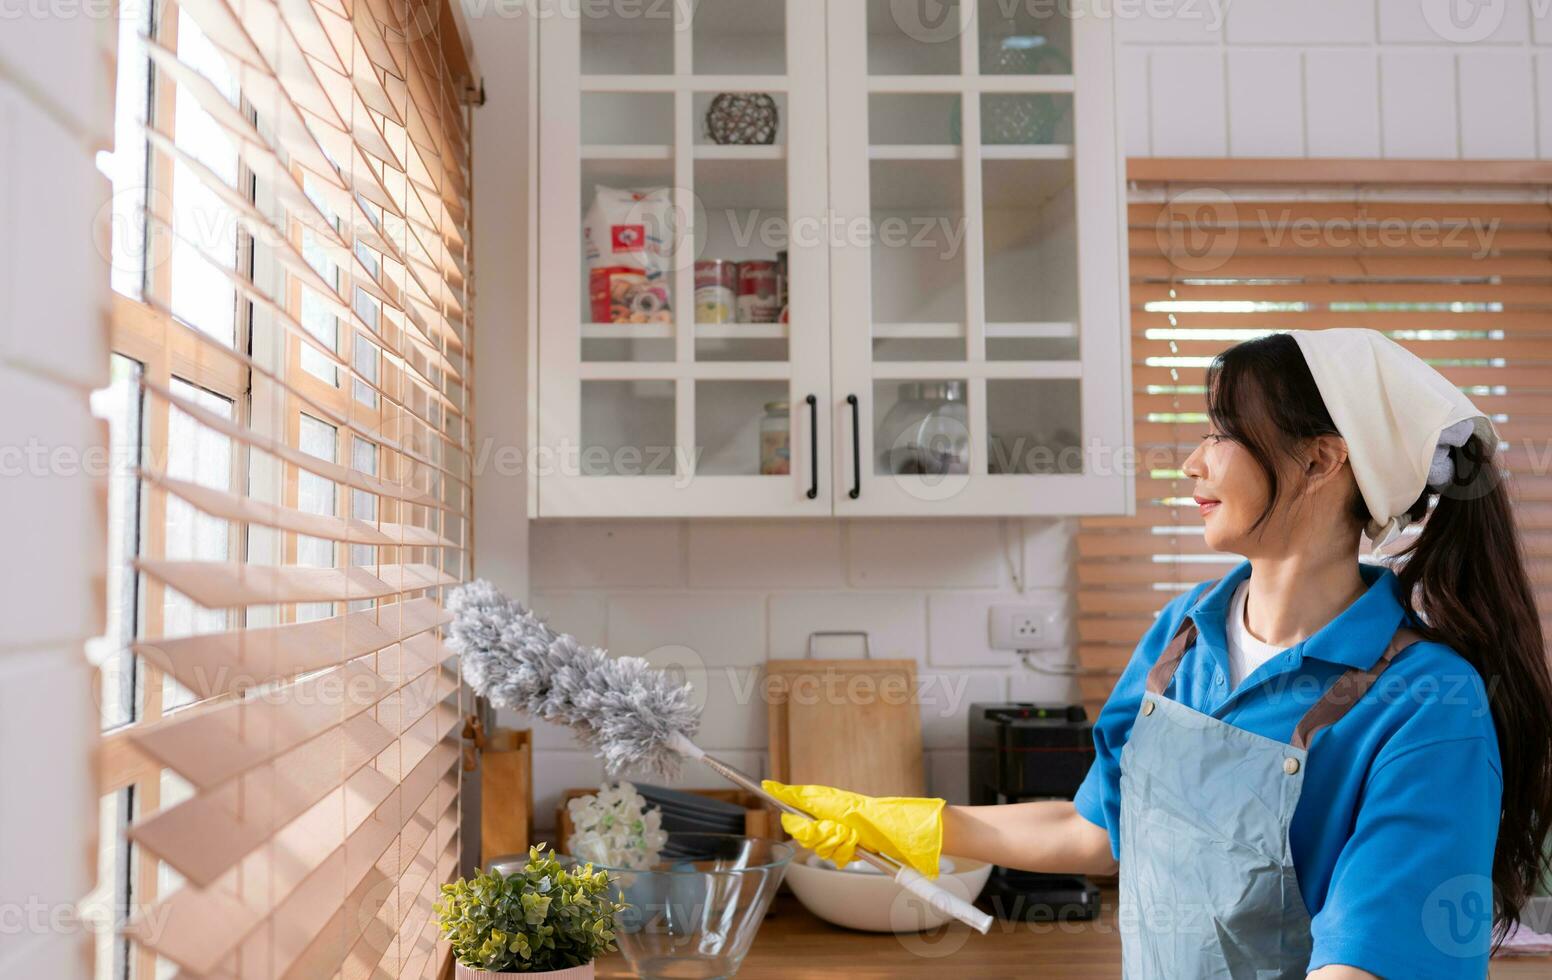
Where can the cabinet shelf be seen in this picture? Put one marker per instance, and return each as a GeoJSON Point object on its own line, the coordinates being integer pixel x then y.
{"type": "Point", "coordinates": [1017, 370]}
{"type": "Point", "coordinates": [1020, 84]}
{"type": "Point", "coordinates": [748, 177]}
{"type": "Point", "coordinates": [920, 331]}
{"type": "Point", "coordinates": [664, 331]}
{"type": "Point", "coordinates": [662, 151]}
{"type": "Point", "coordinates": [936, 183]}
{"type": "Point", "coordinates": [929, 151]}
{"type": "Point", "coordinates": [690, 83]}
{"type": "Point", "coordinates": [713, 18]}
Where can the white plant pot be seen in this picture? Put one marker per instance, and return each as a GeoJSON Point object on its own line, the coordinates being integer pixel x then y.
{"type": "Point", "coordinates": [583, 972]}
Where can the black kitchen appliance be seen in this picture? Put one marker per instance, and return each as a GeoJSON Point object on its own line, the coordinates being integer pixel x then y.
{"type": "Point", "coordinates": [1021, 752]}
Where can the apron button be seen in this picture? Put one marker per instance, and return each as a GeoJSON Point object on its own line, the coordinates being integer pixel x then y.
{"type": "Point", "coordinates": [1147, 707]}
{"type": "Point", "coordinates": [1290, 766]}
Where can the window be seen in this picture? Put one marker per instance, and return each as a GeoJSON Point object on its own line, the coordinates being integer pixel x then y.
{"type": "Point", "coordinates": [120, 404]}
{"type": "Point", "coordinates": [288, 414]}
{"type": "Point", "coordinates": [1451, 279]}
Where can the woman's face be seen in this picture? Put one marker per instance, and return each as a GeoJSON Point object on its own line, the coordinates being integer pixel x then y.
{"type": "Point", "coordinates": [1230, 492]}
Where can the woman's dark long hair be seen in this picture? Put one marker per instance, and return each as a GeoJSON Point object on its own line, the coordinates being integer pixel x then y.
{"type": "Point", "coordinates": [1463, 576]}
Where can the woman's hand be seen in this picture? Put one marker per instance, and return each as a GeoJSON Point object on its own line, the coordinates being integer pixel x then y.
{"type": "Point", "coordinates": [1048, 836]}
{"type": "Point", "coordinates": [906, 828]}
{"type": "Point", "coordinates": [1045, 836]}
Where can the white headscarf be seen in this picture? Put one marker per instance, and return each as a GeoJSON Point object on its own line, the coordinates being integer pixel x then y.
{"type": "Point", "coordinates": [1398, 415]}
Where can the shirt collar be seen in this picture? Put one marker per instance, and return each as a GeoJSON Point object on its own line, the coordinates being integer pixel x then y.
{"type": "Point", "coordinates": [1355, 638]}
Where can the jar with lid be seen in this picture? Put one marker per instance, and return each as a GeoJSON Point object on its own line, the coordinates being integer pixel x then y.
{"type": "Point", "coordinates": [927, 432]}
{"type": "Point", "coordinates": [775, 440]}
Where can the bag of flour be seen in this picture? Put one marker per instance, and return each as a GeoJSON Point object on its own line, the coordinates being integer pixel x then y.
{"type": "Point", "coordinates": [626, 235]}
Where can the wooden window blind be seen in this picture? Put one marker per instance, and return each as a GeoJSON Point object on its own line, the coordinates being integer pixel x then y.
{"type": "Point", "coordinates": [1462, 277]}
{"type": "Point", "coordinates": [297, 344]}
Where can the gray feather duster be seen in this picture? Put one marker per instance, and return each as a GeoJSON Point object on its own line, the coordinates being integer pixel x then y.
{"type": "Point", "coordinates": [621, 707]}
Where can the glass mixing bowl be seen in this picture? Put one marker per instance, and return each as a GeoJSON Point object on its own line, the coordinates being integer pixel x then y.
{"type": "Point", "coordinates": [694, 914]}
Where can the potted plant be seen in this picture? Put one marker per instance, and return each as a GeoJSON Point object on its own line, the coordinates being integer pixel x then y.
{"type": "Point", "coordinates": [544, 920]}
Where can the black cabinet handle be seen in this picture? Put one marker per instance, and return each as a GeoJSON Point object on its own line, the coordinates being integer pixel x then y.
{"type": "Point", "coordinates": [856, 447]}
{"type": "Point", "coordinates": [813, 446]}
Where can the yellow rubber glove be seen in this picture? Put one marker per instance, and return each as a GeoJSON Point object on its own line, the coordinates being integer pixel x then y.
{"type": "Point", "coordinates": [907, 828]}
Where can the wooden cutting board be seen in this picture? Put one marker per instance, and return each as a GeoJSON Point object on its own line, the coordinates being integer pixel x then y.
{"type": "Point", "coordinates": [852, 724]}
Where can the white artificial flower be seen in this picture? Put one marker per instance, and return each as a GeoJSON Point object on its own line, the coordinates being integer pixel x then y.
{"type": "Point", "coordinates": [616, 828]}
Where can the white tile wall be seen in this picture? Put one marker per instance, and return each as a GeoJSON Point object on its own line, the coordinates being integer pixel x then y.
{"type": "Point", "coordinates": [47, 439]}
{"type": "Point", "coordinates": [1136, 110]}
{"type": "Point", "coordinates": [889, 554]}
{"type": "Point", "coordinates": [1337, 78]}
{"type": "Point", "coordinates": [1497, 112]}
{"type": "Point", "coordinates": [920, 589]}
{"type": "Point", "coordinates": [789, 551]}
{"type": "Point", "coordinates": [896, 623]}
{"type": "Point", "coordinates": [1188, 99]}
{"type": "Point", "coordinates": [1429, 22]}
{"type": "Point", "coordinates": [1341, 103]}
{"type": "Point", "coordinates": [1171, 21]}
{"type": "Point", "coordinates": [43, 831]}
{"type": "Point", "coordinates": [64, 50]}
{"type": "Point", "coordinates": [36, 151]}
{"type": "Point", "coordinates": [724, 628]}
{"type": "Point", "coordinates": [1266, 114]}
{"type": "Point", "coordinates": [54, 99]}
{"type": "Point", "coordinates": [1417, 93]}
{"type": "Point", "coordinates": [600, 555]}
{"type": "Point", "coordinates": [1543, 101]}
{"type": "Point", "coordinates": [1303, 23]}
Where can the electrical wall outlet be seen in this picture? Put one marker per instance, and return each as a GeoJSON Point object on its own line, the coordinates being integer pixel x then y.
{"type": "Point", "coordinates": [1026, 626]}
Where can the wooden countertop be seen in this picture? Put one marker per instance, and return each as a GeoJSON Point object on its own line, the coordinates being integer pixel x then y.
{"type": "Point", "coordinates": [794, 945]}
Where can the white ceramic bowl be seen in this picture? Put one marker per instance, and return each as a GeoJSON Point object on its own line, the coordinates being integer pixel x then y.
{"type": "Point", "coordinates": [863, 898]}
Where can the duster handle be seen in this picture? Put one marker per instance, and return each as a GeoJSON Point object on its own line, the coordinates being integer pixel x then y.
{"type": "Point", "coordinates": [907, 877]}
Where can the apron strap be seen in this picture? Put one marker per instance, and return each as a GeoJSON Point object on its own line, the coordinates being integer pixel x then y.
{"type": "Point", "coordinates": [1163, 671]}
{"type": "Point", "coordinates": [1349, 689]}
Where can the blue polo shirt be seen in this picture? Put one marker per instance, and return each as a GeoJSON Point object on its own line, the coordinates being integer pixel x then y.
{"type": "Point", "coordinates": [1393, 836]}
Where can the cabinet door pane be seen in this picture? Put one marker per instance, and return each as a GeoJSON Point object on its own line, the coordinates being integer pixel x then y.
{"type": "Point", "coordinates": [627, 38]}
{"type": "Point", "coordinates": [1024, 37]}
{"type": "Point", "coordinates": [629, 245]}
{"type": "Point", "coordinates": [921, 428]}
{"type": "Point", "coordinates": [1026, 119]}
{"type": "Point", "coordinates": [742, 428]}
{"type": "Point", "coordinates": [644, 119]}
{"type": "Point", "coordinates": [745, 118]}
{"type": "Point", "coordinates": [1033, 426]}
{"type": "Point", "coordinates": [913, 119]}
{"type": "Point", "coordinates": [627, 429]}
{"type": "Point", "coordinates": [913, 37]}
{"type": "Point", "coordinates": [918, 261]}
{"type": "Point", "coordinates": [742, 279]}
{"type": "Point", "coordinates": [1030, 264]}
{"type": "Point", "coordinates": [740, 37]}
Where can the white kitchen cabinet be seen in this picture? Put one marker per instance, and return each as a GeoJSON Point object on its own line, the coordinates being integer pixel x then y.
{"type": "Point", "coordinates": [949, 197]}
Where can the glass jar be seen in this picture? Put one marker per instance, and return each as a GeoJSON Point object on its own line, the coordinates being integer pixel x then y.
{"type": "Point", "coordinates": [775, 440]}
{"type": "Point", "coordinates": [927, 432]}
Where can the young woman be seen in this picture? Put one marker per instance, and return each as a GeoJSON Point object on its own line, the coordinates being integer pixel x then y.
{"type": "Point", "coordinates": [1311, 766]}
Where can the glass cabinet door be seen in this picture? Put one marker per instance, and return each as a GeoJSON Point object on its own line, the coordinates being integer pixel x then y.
{"type": "Point", "coordinates": [977, 301]}
{"type": "Point", "coordinates": [684, 322]}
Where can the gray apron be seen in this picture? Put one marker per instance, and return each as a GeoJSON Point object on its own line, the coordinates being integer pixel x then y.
{"type": "Point", "coordinates": [1208, 888]}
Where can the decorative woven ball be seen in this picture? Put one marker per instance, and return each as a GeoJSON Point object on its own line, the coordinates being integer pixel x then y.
{"type": "Point", "coordinates": [742, 119]}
